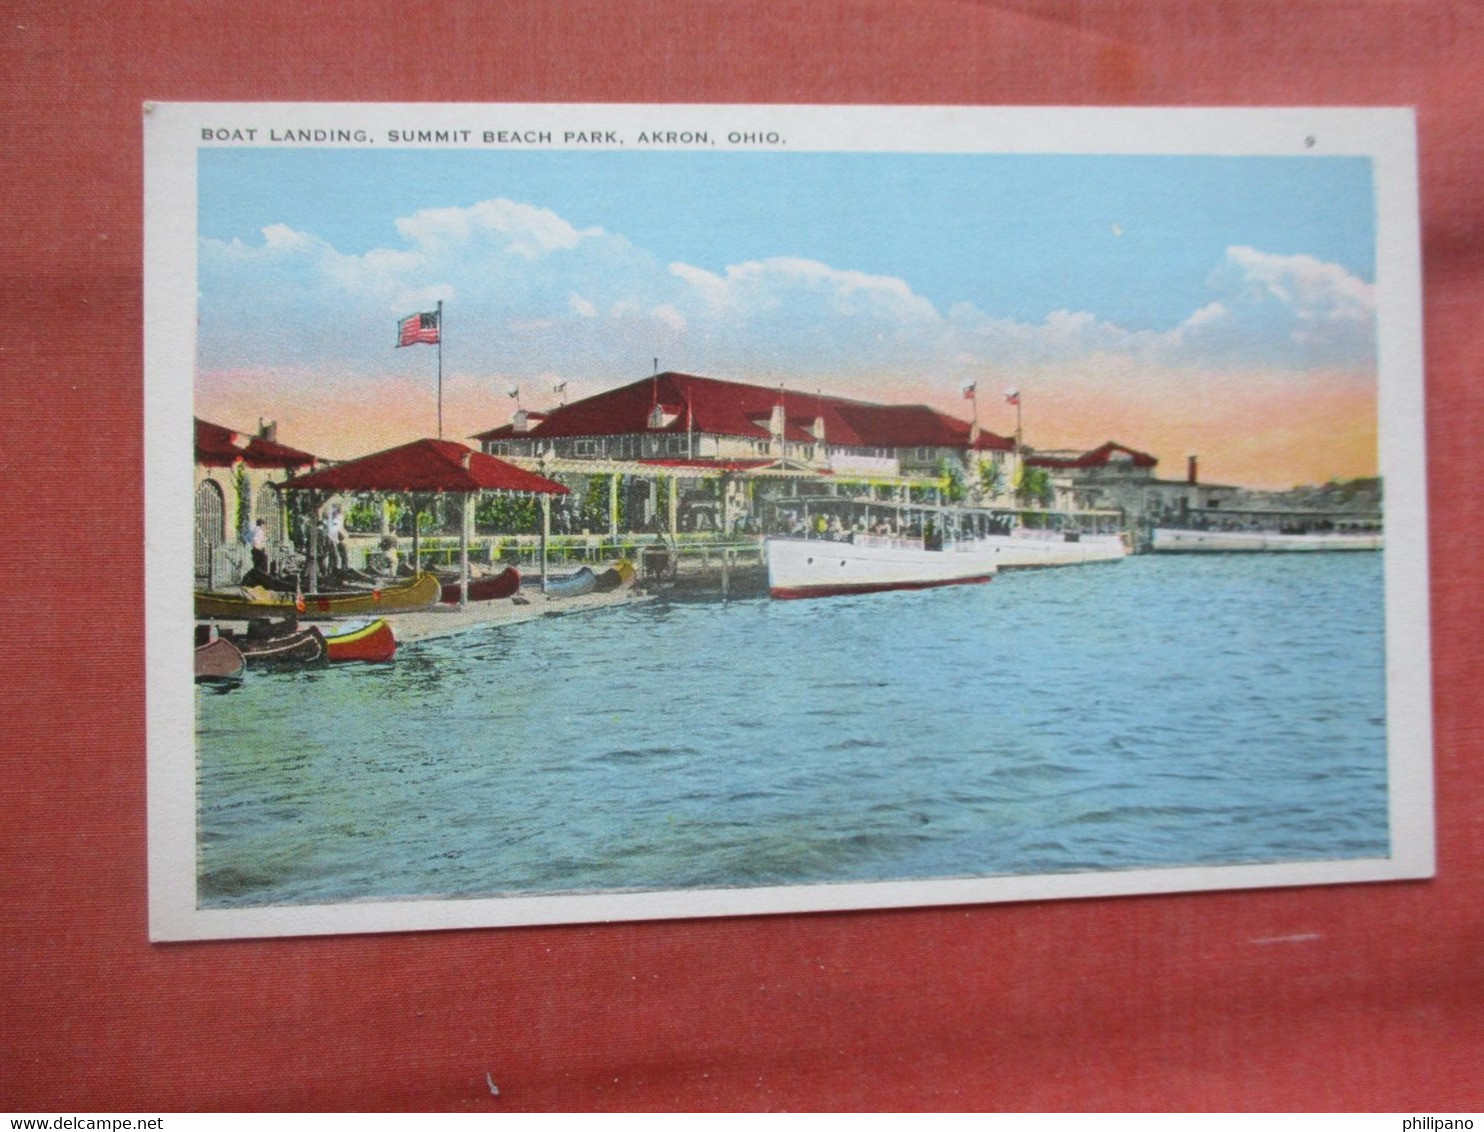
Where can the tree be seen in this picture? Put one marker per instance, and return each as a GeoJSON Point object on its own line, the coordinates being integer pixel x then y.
{"type": "Point", "coordinates": [991, 477]}
{"type": "Point", "coordinates": [594, 509]}
{"type": "Point", "coordinates": [954, 487]}
{"type": "Point", "coordinates": [1035, 488]}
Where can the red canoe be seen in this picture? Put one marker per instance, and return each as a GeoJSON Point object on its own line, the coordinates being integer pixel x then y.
{"type": "Point", "coordinates": [370, 641]}
{"type": "Point", "coordinates": [488, 588]}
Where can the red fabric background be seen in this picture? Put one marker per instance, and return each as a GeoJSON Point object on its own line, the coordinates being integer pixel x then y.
{"type": "Point", "coordinates": [1160, 1002]}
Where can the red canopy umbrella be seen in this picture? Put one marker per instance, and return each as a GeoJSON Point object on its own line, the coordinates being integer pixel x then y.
{"type": "Point", "coordinates": [427, 465]}
{"type": "Point", "coordinates": [431, 466]}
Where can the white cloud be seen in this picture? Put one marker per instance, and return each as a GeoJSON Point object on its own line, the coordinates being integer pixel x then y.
{"type": "Point", "coordinates": [528, 291]}
{"type": "Point", "coordinates": [670, 317]}
{"type": "Point", "coordinates": [1291, 308]}
{"type": "Point", "coordinates": [522, 229]}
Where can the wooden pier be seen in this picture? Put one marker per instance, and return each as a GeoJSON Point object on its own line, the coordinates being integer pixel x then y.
{"type": "Point", "coordinates": [705, 569]}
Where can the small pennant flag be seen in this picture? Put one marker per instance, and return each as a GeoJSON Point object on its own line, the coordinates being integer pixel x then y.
{"type": "Point", "coordinates": [417, 328]}
{"type": "Point", "coordinates": [969, 387]}
{"type": "Point", "coordinates": [1012, 396]}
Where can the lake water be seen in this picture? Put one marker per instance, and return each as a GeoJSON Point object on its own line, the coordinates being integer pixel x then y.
{"type": "Point", "coordinates": [1159, 711]}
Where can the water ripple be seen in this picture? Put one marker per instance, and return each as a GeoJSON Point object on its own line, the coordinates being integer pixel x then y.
{"type": "Point", "coordinates": [1056, 721]}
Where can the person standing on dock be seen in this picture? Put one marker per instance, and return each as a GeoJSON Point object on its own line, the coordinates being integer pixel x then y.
{"type": "Point", "coordinates": [339, 550]}
{"type": "Point", "coordinates": [258, 539]}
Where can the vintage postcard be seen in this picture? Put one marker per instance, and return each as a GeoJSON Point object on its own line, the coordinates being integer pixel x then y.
{"type": "Point", "coordinates": [623, 512]}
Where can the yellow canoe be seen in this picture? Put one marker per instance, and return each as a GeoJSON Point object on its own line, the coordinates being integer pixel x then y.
{"type": "Point", "coordinates": [252, 601]}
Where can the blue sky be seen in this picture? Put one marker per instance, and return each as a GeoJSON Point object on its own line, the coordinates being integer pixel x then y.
{"type": "Point", "coordinates": [1171, 301]}
{"type": "Point", "coordinates": [1131, 240]}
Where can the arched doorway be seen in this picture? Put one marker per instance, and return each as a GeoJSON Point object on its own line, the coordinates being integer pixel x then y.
{"type": "Point", "coordinates": [269, 507]}
{"type": "Point", "coordinates": [211, 525]}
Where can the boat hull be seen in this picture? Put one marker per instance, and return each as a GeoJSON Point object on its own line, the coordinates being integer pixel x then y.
{"type": "Point", "coordinates": [490, 588]}
{"type": "Point", "coordinates": [1169, 540]}
{"type": "Point", "coordinates": [417, 593]}
{"type": "Point", "coordinates": [219, 661]}
{"type": "Point", "coordinates": [804, 568]}
{"type": "Point", "coordinates": [372, 642]}
{"type": "Point", "coordinates": [301, 648]}
{"type": "Point", "coordinates": [616, 576]}
{"type": "Point", "coordinates": [1031, 549]}
{"type": "Point", "coordinates": [584, 581]}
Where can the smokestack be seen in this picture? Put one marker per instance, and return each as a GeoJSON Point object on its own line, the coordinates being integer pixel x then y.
{"type": "Point", "coordinates": [1190, 469]}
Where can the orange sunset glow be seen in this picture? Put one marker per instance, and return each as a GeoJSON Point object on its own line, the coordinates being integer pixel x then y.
{"type": "Point", "coordinates": [1254, 430]}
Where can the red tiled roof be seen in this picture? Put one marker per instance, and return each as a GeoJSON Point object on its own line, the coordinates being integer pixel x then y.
{"type": "Point", "coordinates": [219, 447]}
{"type": "Point", "coordinates": [426, 465]}
{"type": "Point", "coordinates": [731, 408]}
{"type": "Point", "coordinates": [1096, 458]}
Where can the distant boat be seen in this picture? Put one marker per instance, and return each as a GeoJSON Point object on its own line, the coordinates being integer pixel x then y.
{"type": "Point", "coordinates": [369, 641]}
{"type": "Point", "coordinates": [490, 587]}
{"type": "Point", "coordinates": [219, 661]}
{"type": "Point", "coordinates": [1171, 540]}
{"type": "Point", "coordinates": [799, 567]}
{"type": "Point", "coordinates": [248, 602]}
{"type": "Point", "coordinates": [584, 581]}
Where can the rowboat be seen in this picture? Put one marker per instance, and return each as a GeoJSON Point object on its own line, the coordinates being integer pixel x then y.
{"type": "Point", "coordinates": [370, 641]}
{"type": "Point", "coordinates": [219, 661]}
{"type": "Point", "coordinates": [491, 587]}
{"type": "Point", "coordinates": [799, 567]}
{"type": "Point", "coordinates": [584, 581]}
{"type": "Point", "coordinates": [250, 601]}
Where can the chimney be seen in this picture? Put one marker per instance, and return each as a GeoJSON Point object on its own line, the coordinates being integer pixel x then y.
{"type": "Point", "coordinates": [267, 430]}
{"type": "Point", "coordinates": [1190, 470]}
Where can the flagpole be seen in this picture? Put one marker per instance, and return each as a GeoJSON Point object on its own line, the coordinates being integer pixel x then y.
{"type": "Point", "coordinates": [440, 369]}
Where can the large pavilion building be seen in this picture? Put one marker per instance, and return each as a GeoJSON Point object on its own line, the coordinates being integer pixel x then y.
{"type": "Point", "coordinates": [758, 440]}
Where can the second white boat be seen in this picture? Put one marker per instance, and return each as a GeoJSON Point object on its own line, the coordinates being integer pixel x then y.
{"type": "Point", "coordinates": [800, 567]}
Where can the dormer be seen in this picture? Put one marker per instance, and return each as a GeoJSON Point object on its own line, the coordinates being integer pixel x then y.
{"type": "Point", "coordinates": [662, 416]}
{"type": "Point", "coordinates": [525, 420]}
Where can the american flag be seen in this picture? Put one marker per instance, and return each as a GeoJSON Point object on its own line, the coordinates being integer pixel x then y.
{"type": "Point", "coordinates": [417, 328]}
{"type": "Point", "coordinates": [1012, 396]}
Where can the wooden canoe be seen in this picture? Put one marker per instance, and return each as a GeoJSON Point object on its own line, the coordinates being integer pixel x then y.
{"type": "Point", "coordinates": [584, 581]}
{"type": "Point", "coordinates": [491, 587]}
{"type": "Point", "coordinates": [369, 641]}
{"type": "Point", "coordinates": [299, 648]}
{"type": "Point", "coordinates": [244, 605]}
{"type": "Point", "coordinates": [219, 661]}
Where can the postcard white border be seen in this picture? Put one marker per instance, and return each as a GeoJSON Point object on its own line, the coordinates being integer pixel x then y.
{"type": "Point", "coordinates": [172, 137]}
